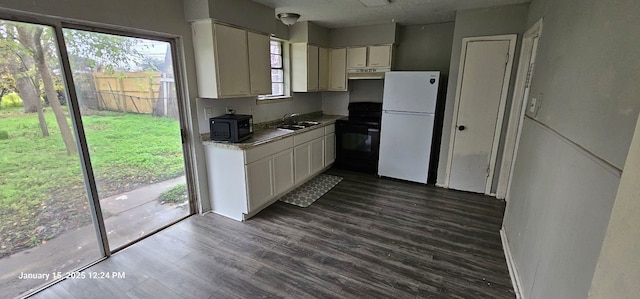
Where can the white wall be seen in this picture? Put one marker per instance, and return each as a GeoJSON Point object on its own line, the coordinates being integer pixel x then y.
{"type": "Point", "coordinates": [568, 164]}
{"type": "Point", "coordinates": [618, 270]}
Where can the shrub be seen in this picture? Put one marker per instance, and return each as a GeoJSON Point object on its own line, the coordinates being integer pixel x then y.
{"type": "Point", "coordinates": [11, 100]}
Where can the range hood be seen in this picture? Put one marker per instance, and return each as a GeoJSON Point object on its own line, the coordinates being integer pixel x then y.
{"type": "Point", "coordinates": [371, 73]}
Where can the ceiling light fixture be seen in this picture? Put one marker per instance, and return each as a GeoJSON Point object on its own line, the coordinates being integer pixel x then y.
{"type": "Point", "coordinates": [374, 3]}
{"type": "Point", "coordinates": [288, 18]}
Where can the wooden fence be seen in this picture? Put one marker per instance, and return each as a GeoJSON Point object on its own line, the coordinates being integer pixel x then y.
{"type": "Point", "coordinates": [136, 92]}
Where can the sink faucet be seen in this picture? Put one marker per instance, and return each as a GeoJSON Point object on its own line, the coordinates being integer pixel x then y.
{"type": "Point", "coordinates": [289, 118]}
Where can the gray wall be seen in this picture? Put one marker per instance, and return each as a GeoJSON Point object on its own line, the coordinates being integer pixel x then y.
{"type": "Point", "coordinates": [309, 32]}
{"type": "Point", "coordinates": [424, 48]}
{"type": "Point", "coordinates": [245, 13]}
{"type": "Point", "coordinates": [563, 188]}
{"type": "Point", "coordinates": [479, 22]}
{"type": "Point", "coordinates": [419, 48]}
{"type": "Point", "coordinates": [163, 16]}
{"type": "Point", "coordinates": [618, 270]}
{"type": "Point", "coordinates": [363, 35]}
{"type": "Point", "coordinates": [301, 103]}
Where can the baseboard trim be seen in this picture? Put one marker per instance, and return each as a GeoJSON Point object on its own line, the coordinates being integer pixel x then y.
{"type": "Point", "coordinates": [513, 272]}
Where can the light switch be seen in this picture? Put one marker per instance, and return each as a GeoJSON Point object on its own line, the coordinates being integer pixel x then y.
{"type": "Point", "coordinates": [534, 105]}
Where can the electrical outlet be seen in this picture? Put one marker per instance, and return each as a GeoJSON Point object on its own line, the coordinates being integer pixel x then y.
{"type": "Point", "coordinates": [208, 112]}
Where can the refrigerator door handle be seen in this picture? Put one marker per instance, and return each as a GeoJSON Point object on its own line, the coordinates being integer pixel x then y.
{"type": "Point", "coordinates": [373, 130]}
{"type": "Point", "coordinates": [407, 112]}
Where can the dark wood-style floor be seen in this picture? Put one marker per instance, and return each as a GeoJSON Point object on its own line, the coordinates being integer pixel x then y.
{"type": "Point", "coordinates": [367, 238]}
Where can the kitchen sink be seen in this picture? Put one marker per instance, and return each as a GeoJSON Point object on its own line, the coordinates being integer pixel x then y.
{"type": "Point", "coordinates": [291, 127]}
{"type": "Point", "coordinates": [298, 125]}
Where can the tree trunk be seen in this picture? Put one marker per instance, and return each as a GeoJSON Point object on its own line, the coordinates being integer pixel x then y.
{"type": "Point", "coordinates": [41, 64]}
{"type": "Point", "coordinates": [27, 87]}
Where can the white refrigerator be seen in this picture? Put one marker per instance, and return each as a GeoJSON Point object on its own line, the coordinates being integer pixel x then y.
{"type": "Point", "coordinates": [408, 112]}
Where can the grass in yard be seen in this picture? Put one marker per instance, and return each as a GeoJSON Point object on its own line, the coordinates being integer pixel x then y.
{"type": "Point", "coordinates": [42, 191]}
{"type": "Point", "coordinates": [176, 194]}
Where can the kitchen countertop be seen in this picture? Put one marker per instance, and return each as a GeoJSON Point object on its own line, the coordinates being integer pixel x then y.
{"type": "Point", "coordinates": [263, 136]}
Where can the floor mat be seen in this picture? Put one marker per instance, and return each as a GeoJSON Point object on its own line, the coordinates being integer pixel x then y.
{"type": "Point", "coordinates": [310, 191]}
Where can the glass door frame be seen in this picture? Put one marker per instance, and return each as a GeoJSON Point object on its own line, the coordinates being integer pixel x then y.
{"type": "Point", "coordinates": [58, 24]}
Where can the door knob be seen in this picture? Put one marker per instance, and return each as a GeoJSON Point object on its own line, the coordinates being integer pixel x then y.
{"type": "Point", "coordinates": [461, 128]}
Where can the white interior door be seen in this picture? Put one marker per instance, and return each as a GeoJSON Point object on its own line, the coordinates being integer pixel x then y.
{"type": "Point", "coordinates": [480, 104]}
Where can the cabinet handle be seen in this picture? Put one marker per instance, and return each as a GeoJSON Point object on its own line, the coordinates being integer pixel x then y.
{"type": "Point", "coordinates": [374, 64]}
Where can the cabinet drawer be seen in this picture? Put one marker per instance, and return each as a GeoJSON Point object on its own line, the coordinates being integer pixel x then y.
{"type": "Point", "coordinates": [308, 136]}
{"type": "Point", "coordinates": [329, 129]}
{"type": "Point", "coordinates": [261, 151]}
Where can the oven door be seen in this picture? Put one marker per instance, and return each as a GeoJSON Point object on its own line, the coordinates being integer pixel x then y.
{"type": "Point", "coordinates": [357, 146]}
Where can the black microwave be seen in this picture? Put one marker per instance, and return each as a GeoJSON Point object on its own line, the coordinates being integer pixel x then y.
{"type": "Point", "coordinates": [231, 127]}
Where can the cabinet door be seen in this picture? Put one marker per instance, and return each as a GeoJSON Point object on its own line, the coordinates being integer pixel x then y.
{"type": "Point", "coordinates": [329, 149]}
{"type": "Point", "coordinates": [357, 57]}
{"type": "Point", "coordinates": [259, 63]}
{"type": "Point", "coordinates": [380, 56]}
{"type": "Point", "coordinates": [232, 61]}
{"type": "Point", "coordinates": [283, 171]}
{"type": "Point", "coordinates": [323, 69]}
{"type": "Point", "coordinates": [259, 182]}
{"type": "Point", "coordinates": [317, 155]}
{"type": "Point", "coordinates": [338, 70]}
{"type": "Point", "coordinates": [302, 161]}
{"type": "Point", "coordinates": [312, 68]}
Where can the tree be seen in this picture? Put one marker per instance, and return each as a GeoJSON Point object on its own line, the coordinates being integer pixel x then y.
{"type": "Point", "coordinates": [19, 64]}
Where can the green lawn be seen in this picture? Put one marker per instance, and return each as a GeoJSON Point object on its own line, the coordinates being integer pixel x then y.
{"type": "Point", "coordinates": [42, 191]}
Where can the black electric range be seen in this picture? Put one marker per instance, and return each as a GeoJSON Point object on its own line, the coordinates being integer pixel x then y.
{"type": "Point", "coordinates": [358, 137]}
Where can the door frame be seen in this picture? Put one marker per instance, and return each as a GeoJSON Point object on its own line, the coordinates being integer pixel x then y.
{"type": "Point", "coordinates": [512, 38]}
{"type": "Point", "coordinates": [526, 67]}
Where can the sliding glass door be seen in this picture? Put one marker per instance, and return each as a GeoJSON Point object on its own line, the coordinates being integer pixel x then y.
{"type": "Point", "coordinates": [46, 223]}
{"type": "Point", "coordinates": [129, 108]}
{"type": "Point", "coordinates": [89, 169]}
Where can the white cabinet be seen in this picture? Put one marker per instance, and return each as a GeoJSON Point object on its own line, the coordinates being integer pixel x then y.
{"type": "Point", "coordinates": [260, 182]}
{"type": "Point", "coordinates": [229, 60]}
{"type": "Point", "coordinates": [259, 63]}
{"type": "Point", "coordinates": [329, 148]}
{"type": "Point", "coordinates": [378, 56]}
{"type": "Point", "coordinates": [357, 57]}
{"type": "Point", "coordinates": [338, 70]}
{"type": "Point", "coordinates": [323, 68]}
{"type": "Point", "coordinates": [317, 155]}
{"type": "Point", "coordinates": [302, 155]}
{"type": "Point", "coordinates": [283, 171]}
{"type": "Point", "coordinates": [243, 182]}
{"type": "Point", "coordinates": [304, 67]}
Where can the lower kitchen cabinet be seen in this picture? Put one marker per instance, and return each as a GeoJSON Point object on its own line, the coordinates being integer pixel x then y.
{"type": "Point", "coordinates": [329, 148]}
{"type": "Point", "coordinates": [260, 182]}
{"type": "Point", "coordinates": [317, 155]}
{"type": "Point", "coordinates": [243, 182]}
{"type": "Point", "coordinates": [283, 171]}
{"type": "Point", "coordinates": [302, 154]}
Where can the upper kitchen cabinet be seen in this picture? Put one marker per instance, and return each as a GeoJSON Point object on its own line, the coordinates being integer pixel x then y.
{"type": "Point", "coordinates": [378, 56]}
{"type": "Point", "coordinates": [230, 62]}
{"type": "Point", "coordinates": [259, 63]}
{"type": "Point", "coordinates": [357, 57]}
{"type": "Point", "coordinates": [323, 68]}
{"type": "Point", "coordinates": [304, 67]}
{"type": "Point", "coordinates": [338, 70]}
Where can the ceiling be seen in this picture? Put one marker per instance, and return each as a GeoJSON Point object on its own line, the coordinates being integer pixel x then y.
{"type": "Point", "coordinates": [348, 13]}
